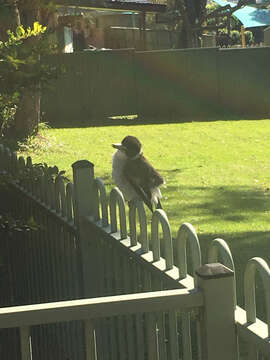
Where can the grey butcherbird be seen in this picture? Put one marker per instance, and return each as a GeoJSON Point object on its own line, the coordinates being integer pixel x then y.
{"type": "Point", "coordinates": [134, 175]}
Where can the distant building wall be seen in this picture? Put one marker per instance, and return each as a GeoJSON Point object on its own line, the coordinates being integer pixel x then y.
{"type": "Point", "coordinates": [267, 36]}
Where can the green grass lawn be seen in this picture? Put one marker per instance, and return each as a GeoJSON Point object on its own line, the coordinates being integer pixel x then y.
{"type": "Point", "coordinates": [217, 174]}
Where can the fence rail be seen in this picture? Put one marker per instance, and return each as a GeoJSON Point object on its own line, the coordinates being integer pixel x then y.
{"type": "Point", "coordinates": [151, 302]}
{"type": "Point", "coordinates": [82, 250]}
{"type": "Point", "coordinates": [29, 315]}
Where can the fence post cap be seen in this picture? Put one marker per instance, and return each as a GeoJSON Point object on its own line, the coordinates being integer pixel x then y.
{"type": "Point", "coordinates": [213, 271]}
{"type": "Point", "coordinates": [80, 164]}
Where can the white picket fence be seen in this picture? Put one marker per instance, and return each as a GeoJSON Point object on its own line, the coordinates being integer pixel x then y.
{"type": "Point", "coordinates": [137, 293]}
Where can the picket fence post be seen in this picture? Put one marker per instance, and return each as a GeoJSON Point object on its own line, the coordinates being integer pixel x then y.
{"type": "Point", "coordinates": [217, 324]}
{"type": "Point", "coordinates": [85, 205]}
{"type": "Point", "coordinates": [83, 177]}
{"type": "Point", "coordinates": [83, 180]}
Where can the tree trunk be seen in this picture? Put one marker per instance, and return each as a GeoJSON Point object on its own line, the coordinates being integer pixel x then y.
{"type": "Point", "coordinates": [27, 116]}
{"type": "Point", "coordinates": [185, 39]}
{"type": "Point", "coordinates": [17, 16]}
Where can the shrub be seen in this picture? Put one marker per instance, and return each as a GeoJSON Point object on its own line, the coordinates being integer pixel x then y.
{"type": "Point", "coordinates": [236, 37]}
{"type": "Point", "coordinates": [22, 68]}
{"type": "Point", "coordinates": [249, 38]}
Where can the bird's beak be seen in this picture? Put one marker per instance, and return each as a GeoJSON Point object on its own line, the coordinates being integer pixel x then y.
{"type": "Point", "coordinates": [119, 146]}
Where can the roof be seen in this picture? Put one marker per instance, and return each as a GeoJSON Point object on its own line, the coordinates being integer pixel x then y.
{"type": "Point", "coordinates": [249, 16]}
{"type": "Point", "coordinates": [132, 5]}
{"type": "Point", "coordinates": [137, 5]}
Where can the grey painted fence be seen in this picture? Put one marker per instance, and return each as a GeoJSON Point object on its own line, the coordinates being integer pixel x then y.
{"type": "Point", "coordinates": [166, 84]}
{"type": "Point", "coordinates": [42, 265]}
{"type": "Point", "coordinates": [82, 249]}
{"type": "Point", "coordinates": [116, 37]}
{"type": "Point", "coordinates": [95, 85]}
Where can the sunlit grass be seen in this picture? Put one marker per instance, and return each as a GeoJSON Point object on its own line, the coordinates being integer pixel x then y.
{"type": "Point", "coordinates": [217, 173]}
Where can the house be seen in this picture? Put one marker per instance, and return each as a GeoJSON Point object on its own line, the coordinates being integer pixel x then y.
{"type": "Point", "coordinates": [111, 24]}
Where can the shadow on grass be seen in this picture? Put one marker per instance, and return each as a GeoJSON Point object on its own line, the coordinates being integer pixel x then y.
{"type": "Point", "coordinates": [238, 214]}
{"type": "Point", "coordinates": [229, 203]}
{"type": "Point", "coordinates": [150, 120]}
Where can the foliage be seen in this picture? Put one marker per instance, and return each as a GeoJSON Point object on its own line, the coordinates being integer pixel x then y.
{"type": "Point", "coordinates": [236, 37]}
{"type": "Point", "coordinates": [194, 17]}
{"type": "Point", "coordinates": [219, 21]}
{"type": "Point", "coordinates": [22, 68]}
{"type": "Point", "coordinates": [38, 142]}
{"type": "Point", "coordinates": [249, 38]}
{"type": "Point", "coordinates": [182, 16]}
{"type": "Point", "coordinates": [10, 222]}
{"type": "Point", "coordinates": [39, 170]}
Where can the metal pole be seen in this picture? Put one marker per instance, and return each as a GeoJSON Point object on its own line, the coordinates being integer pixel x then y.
{"type": "Point", "coordinates": [243, 36]}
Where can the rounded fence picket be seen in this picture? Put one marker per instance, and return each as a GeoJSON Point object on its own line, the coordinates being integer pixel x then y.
{"type": "Point", "coordinates": [7, 160]}
{"type": "Point", "coordinates": [58, 185]}
{"type": "Point", "coordinates": [2, 158]}
{"type": "Point", "coordinates": [101, 199]}
{"type": "Point", "coordinates": [43, 189]}
{"type": "Point", "coordinates": [160, 217]}
{"type": "Point", "coordinates": [51, 194]}
{"type": "Point", "coordinates": [14, 163]}
{"type": "Point", "coordinates": [254, 265]}
{"type": "Point", "coordinates": [220, 251]}
{"type": "Point", "coordinates": [29, 161]}
{"type": "Point", "coordinates": [21, 164]}
{"type": "Point", "coordinates": [21, 171]}
{"type": "Point", "coordinates": [38, 186]}
{"type": "Point", "coordinates": [186, 233]}
{"type": "Point", "coordinates": [137, 205]}
{"type": "Point", "coordinates": [116, 198]}
{"type": "Point", "coordinates": [60, 193]}
{"type": "Point", "coordinates": [68, 203]}
{"type": "Point", "coordinates": [30, 182]}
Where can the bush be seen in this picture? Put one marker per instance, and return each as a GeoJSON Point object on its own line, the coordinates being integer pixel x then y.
{"type": "Point", "coordinates": [236, 37]}
{"type": "Point", "coordinates": [22, 69]}
{"type": "Point", "coordinates": [249, 38]}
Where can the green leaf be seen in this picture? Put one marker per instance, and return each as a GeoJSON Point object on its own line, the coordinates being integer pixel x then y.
{"type": "Point", "coordinates": [20, 32]}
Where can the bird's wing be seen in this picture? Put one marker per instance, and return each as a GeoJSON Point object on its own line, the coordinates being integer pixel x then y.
{"type": "Point", "coordinates": [140, 192]}
{"type": "Point", "coordinates": [143, 171]}
{"type": "Point", "coordinates": [143, 177]}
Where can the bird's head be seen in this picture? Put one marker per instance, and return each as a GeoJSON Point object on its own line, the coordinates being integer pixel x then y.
{"type": "Point", "coordinates": [130, 146]}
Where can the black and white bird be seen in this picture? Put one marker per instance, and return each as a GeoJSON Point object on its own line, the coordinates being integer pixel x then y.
{"type": "Point", "coordinates": [134, 175]}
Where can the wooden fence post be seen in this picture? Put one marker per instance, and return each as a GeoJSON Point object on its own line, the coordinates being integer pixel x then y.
{"type": "Point", "coordinates": [83, 179]}
{"type": "Point", "coordinates": [84, 205]}
{"type": "Point", "coordinates": [217, 325]}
